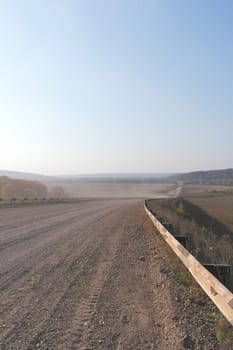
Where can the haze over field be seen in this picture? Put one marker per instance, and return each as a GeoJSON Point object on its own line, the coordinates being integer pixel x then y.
{"type": "Point", "coordinates": [129, 86]}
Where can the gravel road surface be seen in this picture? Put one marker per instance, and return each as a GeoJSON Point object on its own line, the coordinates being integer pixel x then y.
{"type": "Point", "coordinates": [86, 276]}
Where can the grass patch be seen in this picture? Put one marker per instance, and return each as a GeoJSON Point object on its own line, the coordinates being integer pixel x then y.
{"type": "Point", "coordinates": [223, 330]}
{"type": "Point", "coordinates": [75, 283]}
{"type": "Point", "coordinates": [182, 274]}
{"type": "Point", "coordinates": [184, 278]}
{"type": "Point", "coordinates": [92, 261]}
{"type": "Point", "coordinates": [116, 265]}
{"type": "Point", "coordinates": [179, 208]}
{"type": "Point", "coordinates": [194, 292]}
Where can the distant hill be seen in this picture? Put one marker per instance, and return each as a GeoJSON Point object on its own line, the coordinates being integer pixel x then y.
{"type": "Point", "coordinates": [18, 188]}
{"type": "Point", "coordinates": [119, 175]}
{"type": "Point", "coordinates": [215, 177]}
{"type": "Point", "coordinates": [209, 177]}
{"type": "Point", "coordinates": [116, 178]}
{"type": "Point", "coordinates": [23, 175]}
{"type": "Point", "coordinates": [111, 177]}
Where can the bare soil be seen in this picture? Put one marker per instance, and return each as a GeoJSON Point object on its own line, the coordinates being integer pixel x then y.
{"type": "Point", "coordinates": [89, 275]}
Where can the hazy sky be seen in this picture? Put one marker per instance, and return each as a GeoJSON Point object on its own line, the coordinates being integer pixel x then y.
{"type": "Point", "coordinates": [90, 86]}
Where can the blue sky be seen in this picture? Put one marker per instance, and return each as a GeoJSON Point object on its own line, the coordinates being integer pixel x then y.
{"type": "Point", "coordinates": [93, 86]}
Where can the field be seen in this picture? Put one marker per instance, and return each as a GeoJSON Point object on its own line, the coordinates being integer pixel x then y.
{"type": "Point", "coordinates": [91, 275]}
{"type": "Point", "coordinates": [216, 200]}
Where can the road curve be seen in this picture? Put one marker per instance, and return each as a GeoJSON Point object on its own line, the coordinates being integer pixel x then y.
{"type": "Point", "coordinates": [82, 276]}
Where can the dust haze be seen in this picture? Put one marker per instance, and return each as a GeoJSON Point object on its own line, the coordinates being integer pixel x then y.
{"type": "Point", "coordinates": [114, 189]}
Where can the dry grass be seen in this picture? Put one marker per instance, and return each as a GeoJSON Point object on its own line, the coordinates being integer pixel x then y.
{"type": "Point", "coordinates": [223, 330]}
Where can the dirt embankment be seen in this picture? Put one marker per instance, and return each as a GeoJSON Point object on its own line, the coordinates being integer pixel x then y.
{"type": "Point", "coordinates": [92, 275]}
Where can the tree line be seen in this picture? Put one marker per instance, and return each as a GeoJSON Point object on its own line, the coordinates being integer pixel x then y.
{"type": "Point", "coordinates": [17, 188]}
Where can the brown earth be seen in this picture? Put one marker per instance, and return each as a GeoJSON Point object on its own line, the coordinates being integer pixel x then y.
{"type": "Point", "coordinates": [88, 275]}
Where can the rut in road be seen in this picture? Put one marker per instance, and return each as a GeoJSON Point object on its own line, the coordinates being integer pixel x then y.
{"type": "Point", "coordinates": [42, 275]}
{"type": "Point", "coordinates": [83, 315]}
{"type": "Point", "coordinates": [81, 305]}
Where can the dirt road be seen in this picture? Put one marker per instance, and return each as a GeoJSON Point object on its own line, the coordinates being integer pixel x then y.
{"type": "Point", "coordinates": [85, 276]}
